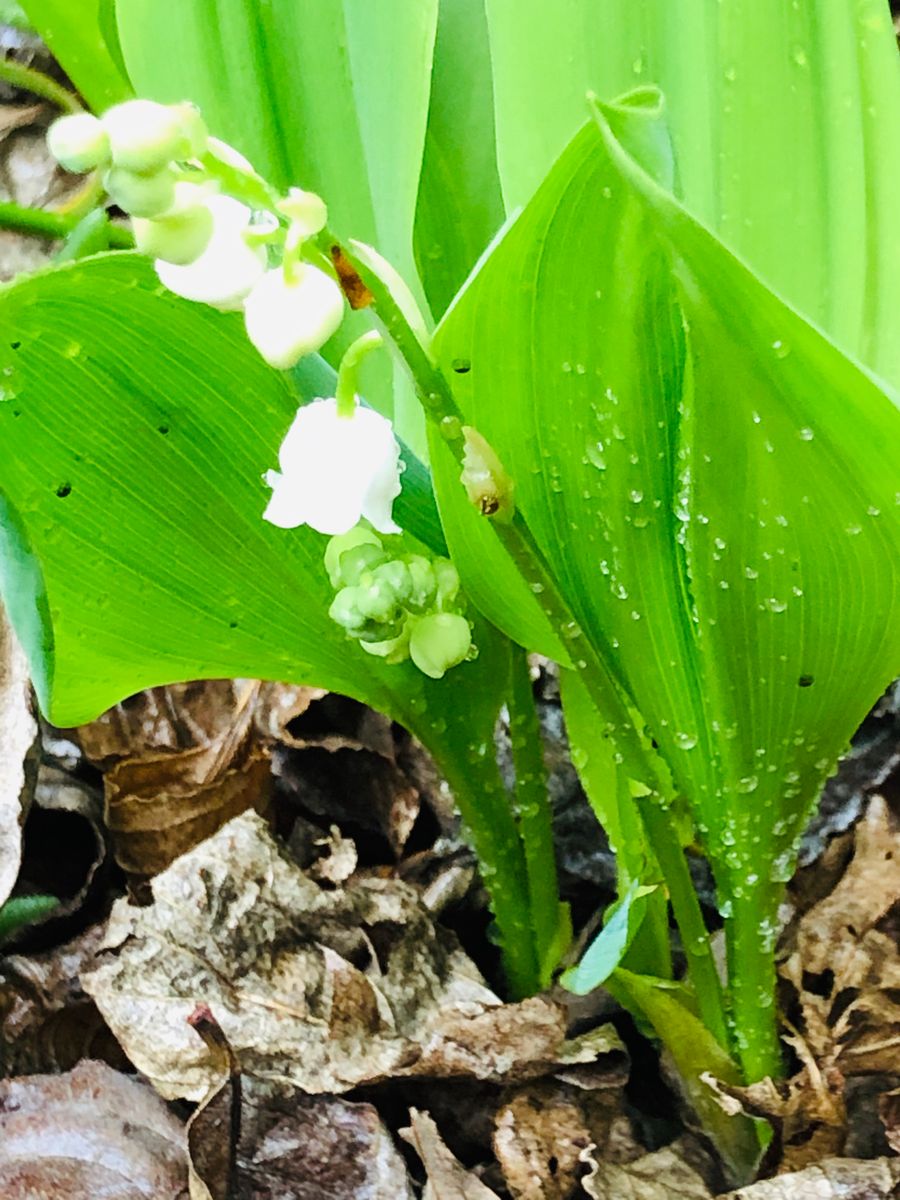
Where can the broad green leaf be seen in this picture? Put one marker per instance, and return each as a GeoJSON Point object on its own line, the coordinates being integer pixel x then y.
{"type": "Point", "coordinates": [73, 30]}
{"type": "Point", "coordinates": [459, 207]}
{"type": "Point", "coordinates": [11, 13]}
{"type": "Point", "coordinates": [609, 947]}
{"type": "Point", "coordinates": [133, 550]}
{"type": "Point", "coordinates": [21, 911]}
{"type": "Point", "coordinates": [712, 480]}
{"type": "Point", "coordinates": [784, 119]}
{"type": "Point", "coordinates": [332, 97]}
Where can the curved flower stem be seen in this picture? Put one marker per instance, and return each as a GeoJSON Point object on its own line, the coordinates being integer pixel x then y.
{"type": "Point", "coordinates": [42, 223]}
{"type": "Point", "coordinates": [599, 678]}
{"type": "Point", "coordinates": [27, 79]}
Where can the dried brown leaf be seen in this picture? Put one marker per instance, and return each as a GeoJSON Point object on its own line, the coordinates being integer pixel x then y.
{"type": "Point", "coordinates": [833, 1179]}
{"type": "Point", "coordinates": [323, 988]}
{"type": "Point", "coordinates": [889, 1111]}
{"type": "Point", "coordinates": [447, 1178]}
{"type": "Point", "coordinates": [664, 1175]}
{"type": "Point", "coordinates": [183, 760]}
{"type": "Point", "coordinates": [18, 731]}
{"type": "Point", "coordinates": [319, 1148]}
{"type": "Point", "coordinates": [92, 1134]}
{"type": "Point", "coordinates": [542, 1130]}
{"type": "Point", "coordinates": [47, 1023]}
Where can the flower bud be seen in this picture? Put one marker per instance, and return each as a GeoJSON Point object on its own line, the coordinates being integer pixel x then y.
{"type": "Point", "coordinates": [447, 582]}
{"type": "Point", "coordinates": [359, 560]}
{"type": "Point", "coordinates": [306, 211]}
{"type": "Point", "coordinates": [184, 232]}
{"type": "Point", "coordinates": [487, 484]}
{"type": "Point", "coordinates": [287, 318]}
{"type": "Point", "coordinates": [227, 269]}
{"type": "Point", "coordinates": [78, 142]}
{"type": "Point", "coordinates": [338, 546]}
{"type": "Point", "coordinates": [145, 136]}
{"type": "Point", "coordinates": [141, 195]}
{"type": "Point", "coordinates": [345, 610]}
{"type": "Point", "coordinates": [439, 642]}
{"type": "Point", "coordinates": [423, 584]}
{"type": "Point", "coordinates": [393, 650]}
{"type": "Point", "coordinates": [194, 133]}
{"type": "Point", "coordinates": [383, 592]}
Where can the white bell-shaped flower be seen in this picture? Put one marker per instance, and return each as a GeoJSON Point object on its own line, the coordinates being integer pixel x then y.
{"type": "Point", "coordinates": [292, 313]}
{"type": "Point", "coordinates": [335, 471]}
{"type": "Point", "coordinates": [228, 268]}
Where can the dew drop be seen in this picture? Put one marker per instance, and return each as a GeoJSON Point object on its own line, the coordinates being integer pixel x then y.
{"type": "Point", "coordinates": [747, 784]}
{"type": "Point", "coordinates": [685, 741]}
{"type": "Point", "coordinates": [635, 496]}
{"type": "Point", "coordinates": [751, 573]}
{"type": "Point", "coordinates": [773, 604]}
{"type": "Point", "coordinates": [805, 434]}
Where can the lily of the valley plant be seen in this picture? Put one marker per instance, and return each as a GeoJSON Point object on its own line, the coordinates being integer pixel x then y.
{"type": "Point", "coordinates": [638, 415]}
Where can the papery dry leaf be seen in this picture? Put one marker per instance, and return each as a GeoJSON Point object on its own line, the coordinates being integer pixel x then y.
{"type": "Point", "coordinates": [353, 776]}
{"type": "Point", "coordinates": [541, 1132]}
{"type": "Point", "coordinates": [839, 952]}
{"type": "Point", "coordinates": [47, 1023]}
{"type": "Point", "coordinates": [323, 988]}
{"type": "Point", "coordinates": [18, 731]}
{"type": "Point", "coordinates": [319, 1148]}
{"type": "Point", "coordinates": [889, 1111]}
{"type": "Point", "coordinates": [93, 1134]}
{"type": "Point", "coordinates": [663, 1175]}
{"type": "Point", "coordinates": [447, 1178]}
{"type": "Point", "coordinates": [183, 760]}
{"type": "Point", "coordinates": [834, 1179]}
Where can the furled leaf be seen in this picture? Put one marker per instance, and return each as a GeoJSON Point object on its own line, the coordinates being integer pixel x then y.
{"type": "Point", "coordinates": [21, 911]}
{"type": "Point", "coordinates": [799, 176]}
{"type": "Point", "coordinates": [611, 944]}
{"type": "Point", "coordinates": [73, 30]}
{"type": "Point", "coordinates": [708, 475]}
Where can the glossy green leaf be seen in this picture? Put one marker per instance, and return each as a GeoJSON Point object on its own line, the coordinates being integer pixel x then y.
{"type": "Point", "coordinates": [609, 947]}
{"type": "Point", "coordinates": [73, 30]}
{"type": "Point", "coordinates": [133, 550]}
{"type": "Point", "coordinates": [459, 206]}
{"type": "Point", "coordinates": [712, 480]}
{"type": "Point", "coordinates": [306, 93]}
{"type": "Point", "coordinates": [798, 174]}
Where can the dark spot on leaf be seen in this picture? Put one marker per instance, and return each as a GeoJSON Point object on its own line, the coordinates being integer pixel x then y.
{"type": "Point", "coordinates": [17, 412]}
{"type": "Point", "coordinates": [14, 345]}
{"type": "Point", "coordinates": [64, 490]}
{"type": "Point", "coordinates": [461, 366]}
{"type": "Point", "coordinates": [232, 624]}
{"type": "Point", "coordinates": [163, 429]}
{"type": "Point", "coordinates": [358, 295]}
{"type": "Point", "coordinates": [805, 681]}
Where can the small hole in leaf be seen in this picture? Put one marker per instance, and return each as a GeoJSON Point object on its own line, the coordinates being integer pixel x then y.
{"type": "Point", "coordinates": [805, 681]}
{"type": "Point", "coordinates": [163, 429]}
{"type": "Point", "coordinates": [17, 412]}
{"type": "Point", "coordinates": [64, 489]}
{"type": "Point", "coordinates": [461, 366]}
{"type": "Point", "coordinates": [14, 345]}
{"type": "Point", "coordinates": [232, 624]}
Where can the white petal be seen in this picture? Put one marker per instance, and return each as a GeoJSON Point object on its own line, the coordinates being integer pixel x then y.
{"type": "Point", "coordinates": [287, 319]}
{"type": "Point", "coordinates": [227, 269]}
{"type": "Point", "coordinates": [335, 470]}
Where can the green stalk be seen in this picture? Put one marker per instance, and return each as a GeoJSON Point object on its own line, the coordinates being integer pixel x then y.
{"type": "Point", "coordinates": [749, 934]}
{"type": "Point", "coordinates": [549, 918]}
{"type": "Point", "coordinates": [491, 831]}
{"type": "Point", "coordinates": [27, 79]}
{"type": "Point", "coordinates": [41, 223]}
{"type": "Point", "coordinates": [441, 408]}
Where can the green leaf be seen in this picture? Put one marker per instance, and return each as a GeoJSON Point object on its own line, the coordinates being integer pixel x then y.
{"type": "Point", "coordinates": [714, 484]}
{"type": "Point", "coordinates": [15, 914]}
{"type": "Point", "coordinates": [11, 14]}
{"type": "Point", "coordinates": [73, 31]}
{"type": "Point", "coordinates": [799, 176]}
{"type": "Point", "coordinates": [309, 99]}
{"type": "Point", "coordinates": [606, 951]}
{"type": "Point", "coordinates": [459, 205]}
{"type": "Point", "coordinates": [694, 1053]}
{"type": "Point", "coordinates": [133, 550]}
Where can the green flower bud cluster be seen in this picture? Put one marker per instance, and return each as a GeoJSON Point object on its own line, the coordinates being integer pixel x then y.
{"type": "Point", "coordinates": [398, 608]}
{"type": "Point", "coordinates": [138, 145]}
